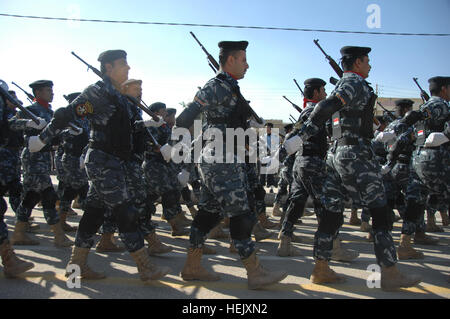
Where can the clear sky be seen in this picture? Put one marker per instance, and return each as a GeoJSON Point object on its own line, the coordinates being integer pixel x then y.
{"type": "Point", "coordinates": [172, 65]}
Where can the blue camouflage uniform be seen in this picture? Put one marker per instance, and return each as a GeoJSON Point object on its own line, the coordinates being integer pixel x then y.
{"type": "Point", "coordinates": [110, 149]}
{"type": "Point", "coordinates": [224, 185]}
{"type": "Point", "coordinates": [429, 167]}
{"type": "Point", "coordinates": [308, 174]}
{"type": "Point", "coordinates": [37, 183]}
{"type": "Point", "coordinates": [352, 170]}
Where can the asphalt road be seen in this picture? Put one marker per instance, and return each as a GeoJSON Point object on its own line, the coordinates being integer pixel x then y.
{"type": "Point", "coordinates": [46, 280]}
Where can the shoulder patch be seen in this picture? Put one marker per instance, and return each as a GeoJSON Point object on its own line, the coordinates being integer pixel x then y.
{"type": "Point", "coordinates": [84, 109]}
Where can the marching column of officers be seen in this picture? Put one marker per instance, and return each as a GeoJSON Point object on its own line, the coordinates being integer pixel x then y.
{"type": "Point", "coordinates": [333, 155]}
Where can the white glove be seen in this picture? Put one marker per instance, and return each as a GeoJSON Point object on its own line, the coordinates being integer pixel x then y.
{"type": "Point", "coordinates": [436, 139]}
{"type": "Point", "coordinates": [166, 152]}
{"type": "Point", "coordinates": [383, 137]}
{"type": "Point", "coordinates": [40, 126]}
{"type": "Point", "coordinates": [152, 123]}
{"type": "Point", "coordinates": [293, 144]}
{"type": "Point", "coordinates": [35, 144]}
{"type": "Point", "coordinates": [82, 164]}
{"type": "Point", "coordinates": [75, 132]}
{"type": "Point", "coordinates": [183, 177]}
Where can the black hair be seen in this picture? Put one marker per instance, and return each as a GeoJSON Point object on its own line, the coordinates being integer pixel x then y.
{"type": "Point", "coordinates": [309, 91]}
{"type": "Point", "coordinates": [348, 61]}
{"type": "Point", "coordinates": [224, 54]}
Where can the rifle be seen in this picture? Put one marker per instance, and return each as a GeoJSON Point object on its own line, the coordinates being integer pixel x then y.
{"type": "Point", "coordinates": [215, 67]}
{"type": "Point", "coordinates": [292, 119]}
{"type": "Point", "coordinates": [143, 108]}
{"type": "Point", "coordinates": [29, 96]}
{"type": "Point", "coordinates": [333, 63]}
{"type": "Point", "coordinates": [294, 105]}
{"type": "Point", "coordinates": [303, 94]}
{"type": "Point", "coordinates": [424, 95]}
{"type": "Point", "coordinates": [16, 103]}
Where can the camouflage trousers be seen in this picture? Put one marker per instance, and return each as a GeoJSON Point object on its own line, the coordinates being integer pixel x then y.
{"type": "Point", "coordinates": [354, 173]}
{"type": "Point", "coordinates": [10, 176]}
{"type": "Point", "coordinates": [3, 227]}
{"type": "Point", "coordinates": [255, 191]}
{"type": "Point", "coordinates": [161, 180]}
{"type": "Point", "coordinates": [428, 178]}
{"type": "Point", "coordinates": [308, 177]}
{"type": "Point", "coordinates": [284, 181]}
{"type": "Point", "coordinates": [109, 190]}
{"type": "Point", "coordinates": [224, 192]}
{"type": "Point", "coordinates": [37, 186]}
{"type": "Point", "coordinates": [74, 178]}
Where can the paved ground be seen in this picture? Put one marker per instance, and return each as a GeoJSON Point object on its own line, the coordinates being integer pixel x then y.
{"type": "Point", "coordinates": [47, 279]}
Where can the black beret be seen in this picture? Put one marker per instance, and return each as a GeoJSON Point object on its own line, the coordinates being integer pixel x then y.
{"type": "Point", "coordinates": [155, 107]}
{"type": "Point", "coordinates": [404, 102]}
{"type": "Point", "coordinates": [171, 111]}
{"type": "Point", "coordinates": [71, 96]}
{"type": "Point", "coordinates": [315, 82]}
{"type": "Point", "coordinates": [269, 124]}
{"type": "Point", "coordinates": [41, 84]}
{"type": "Point", "coordinates": [233, 45]}
{"type": "Point", "coordinates": [111, 55]}
{"type": "Point", "coordinates": [288, 127]}
{"type": "Point", "coordinates": [354, 51]}
{"type": "Point", "coordinates": [438, 81]}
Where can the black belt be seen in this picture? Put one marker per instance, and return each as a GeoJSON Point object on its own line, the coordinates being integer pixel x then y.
{"type": "Point", "coordinates": [312, 153]}
{"type": "Point", "coordinates": [352, 141]}
{"type": "Point", "coordinates": [126, 155]}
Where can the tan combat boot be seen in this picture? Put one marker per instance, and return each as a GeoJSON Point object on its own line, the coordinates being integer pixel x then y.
{"type": "Point", "coordinates": [265, 222]}
{"type": "Point", "coordinates": [259, 277]}
{"type": "Point", "coordinates": [12, 265]}
{"type": "Point", "coordinates": [421, 238]}
{"type": "Point", "coordinates": [444, 217]}
{"type": "Point", "coordinates": [19, 237]}
{"type": "Point", "coordinates": [148, 270]}
{"type": "Point", "coordinates": [260, 233]}
{"type": "Point", "coordinates": [66, 227]}
{"type": "Point", "coordinates": [431, 225]}
{"type": "Point", "coordinates": [208, 250]}
{"type": "Point", "coordinates": [226, 222]}
{"type": "Point", "coordinates": [322, 274]}
{"type": "Point", "coordinates": [177, 227]}
{"type": "Point", "coordinates": [32, 227]}
{"type": "Point", "coordinates": [342, 254]}
{"type": "Point", "coordinates": [405, 250]}
{"type": "Point", "coordinates": [60, 238]}
{"type": "Point", "coordinates": [393, 279]}
{"type": "Point", "coordinates": [276, 212]}
{"type": "Point", "coordinates": [184, 221]}
{"type": "Point", "coordinates": [365, 227]}
{"type": "Point", "coordinates": [107, 244]}
{"type": "Point", "coordinates": [155, 246]}
{"type": "Point", "coordinates": [232, 248]}
{"type": "Point", "coordinates": [193, 270]}
{"type": "Point", "coordinates": [79, 257]}
{"type": "Point", "coordinates": [193, 211]}
{"type": "Point", "coordinates": [285, 248]}
{"type": "Point", "coordinates": [280, 223]}
{"type": "Point", "coordinates": [217, 233]}
{"type": "Point", "coordinates": [354, 220]}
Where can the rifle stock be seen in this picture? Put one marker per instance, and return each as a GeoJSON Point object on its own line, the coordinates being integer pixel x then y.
{"type": "Point", "coordinates": [331, 61]}
{"type": "Point", "coordinates": [424, 95]}
{"type": "Point", "coordinates": [10, 98]}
